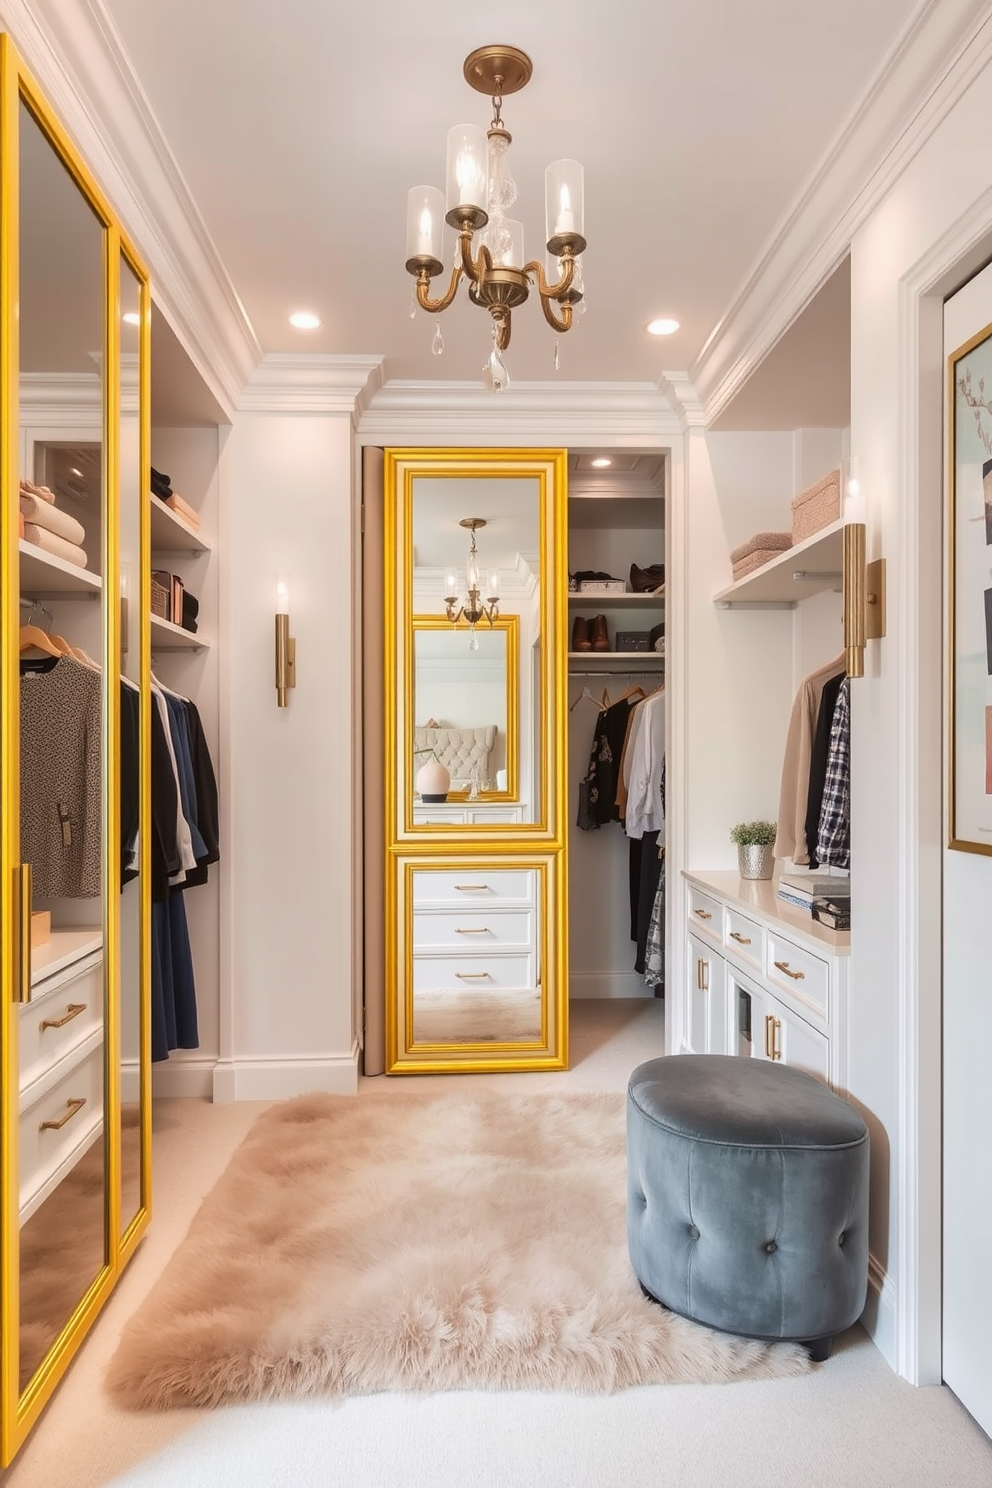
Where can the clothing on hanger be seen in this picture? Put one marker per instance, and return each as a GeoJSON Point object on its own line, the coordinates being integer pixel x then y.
{"type": "Point", "coordinates": [598, 794]}
{"type": "Point", "coordinates": [833, 843]}
{"type": "Point", "coordinates": [790, 841]}
{"type": "Point", "coordinates": [61, 776]}
{"type": "Point", "coordinates": [818, 763]}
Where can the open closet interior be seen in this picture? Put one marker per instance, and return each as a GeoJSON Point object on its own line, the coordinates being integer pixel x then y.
{"type": "Point", "coordinates": [616, 723]}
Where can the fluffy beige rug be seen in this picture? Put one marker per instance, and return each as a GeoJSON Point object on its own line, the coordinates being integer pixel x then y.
{"type": "Point", "coordinates": [418, 1242]}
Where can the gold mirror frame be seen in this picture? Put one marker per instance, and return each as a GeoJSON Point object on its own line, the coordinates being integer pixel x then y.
{"type": "Point", "coordinates": [20, 1410]}
{"type": "Point", "coordinates": [535, 849]}
{"type": "Point", "coordinates": [509, 625]}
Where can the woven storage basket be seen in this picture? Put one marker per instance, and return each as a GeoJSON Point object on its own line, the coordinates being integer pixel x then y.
{"type": "Point", "coordinates": [160, 601]}
{"type": "Point", "coordinates": [816, 507]}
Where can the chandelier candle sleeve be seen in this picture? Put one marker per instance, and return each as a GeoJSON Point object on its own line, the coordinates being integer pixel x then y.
{"type": "Point", "coordinates": [564, 205]}
{"type": "Point", "coordinates": [467, 173]}
{"type": "Point", "coordinates": [424, 224]}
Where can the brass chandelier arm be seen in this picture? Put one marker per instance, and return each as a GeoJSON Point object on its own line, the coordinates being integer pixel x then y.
{"type": "Point", "coordinates": [552, 291]}
{"type": "Point", "coordinates": [424, 286]}
{"type": "Point", "coordinates": [565, 323]}
{"type": "Point", "coordinates": [474, 269]}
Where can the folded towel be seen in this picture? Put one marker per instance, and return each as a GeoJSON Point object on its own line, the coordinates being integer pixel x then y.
{"type": "Point", "coordinates": [755, 560]}
{"type": "Point", "coordinates": [49, 542]}
{"type": "Point", "coordinates": [30, 489]}
{"type": "Point", "coordinates": [183, 509]}
{"type": "Point", "coordinates": [52, 519]}
{"type": "Point", "coordinates": [773, 541]}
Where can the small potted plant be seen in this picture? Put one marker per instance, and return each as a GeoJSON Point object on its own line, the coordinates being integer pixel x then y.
{"type": "Point", "coordinates": [755, 840]}
{"type": "Point", "coordinates": [433, 780]}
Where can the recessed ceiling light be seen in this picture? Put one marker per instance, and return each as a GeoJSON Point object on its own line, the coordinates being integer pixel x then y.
{"type": "Point", "coordinates": [663, 326]}
{"type": "Point", "coordinates": [601, 462]}
{"type": "Point", "coordinates": [304, 320]}
{"type": "Point", "coordinates": [74, 471]}
{"type": "Point", "coordinates": [131, 317]}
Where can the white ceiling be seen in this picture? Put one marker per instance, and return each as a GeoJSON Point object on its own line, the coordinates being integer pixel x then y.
{"type": "Point", "coordinates": [300, 126]}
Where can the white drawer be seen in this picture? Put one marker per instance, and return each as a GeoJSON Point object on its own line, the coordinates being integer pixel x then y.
{"type": "Point", "coordinates": [473, 973]}
{"type": "Point", "coordinates": [798, 972]}
{"type": "Point", "coordinates": [62, 1014]}
{"type": "Point", "coordinates": [473, 886]}
{"type": "Point", "coordinates": [705, 914]}
{"type": "Point", "coordinates": [745, 938]}
{"type": "Point", "coordinates": [473, 930]}
{"type": "Point", "coordinates": [74, 1107]}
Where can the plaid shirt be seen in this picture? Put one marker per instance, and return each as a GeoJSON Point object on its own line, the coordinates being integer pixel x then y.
{"type": "Point", "coordinates": [833, 842]}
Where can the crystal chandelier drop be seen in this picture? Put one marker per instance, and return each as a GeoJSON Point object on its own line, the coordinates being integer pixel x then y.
{"type": "Point", "coordinates": [473, 608]}
{"type": "Point", "coordinates": [480, 193]}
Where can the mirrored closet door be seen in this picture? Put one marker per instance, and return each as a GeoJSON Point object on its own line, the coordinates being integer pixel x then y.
{"type": "Point", "coordinates": [476, 910]}
{"type": "Point", "coordinates": [73, 751]}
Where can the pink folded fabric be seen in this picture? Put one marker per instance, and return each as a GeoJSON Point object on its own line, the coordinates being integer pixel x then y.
{"type": "Point", "coordinates": [43, 514]}
{"type": "Point", "coordinates": [768, 541]}
{"type": "Point", "coordinates": [755, 560]}
{"type": "Point", "coordinates": [57, 546]}
{"type": "Point", "coordinates": [30, 489]}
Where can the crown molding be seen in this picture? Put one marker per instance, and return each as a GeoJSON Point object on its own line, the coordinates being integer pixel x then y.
{"type": "Point", "coordinates": [681, 393]}
{"type": "Point", "coordinates": [82, 66]}
{"type": "Point", "coordinates": [602, 414]}
{"type": "Point", "coordinates": [298, 382]}
{"type": "Point", "coordinates": [939, 52]}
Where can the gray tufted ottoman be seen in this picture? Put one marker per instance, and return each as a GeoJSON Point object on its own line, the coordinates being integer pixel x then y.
{"type": "Point", "coordinates": [747, 1197]}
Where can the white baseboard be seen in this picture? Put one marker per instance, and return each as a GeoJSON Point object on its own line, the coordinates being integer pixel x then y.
{"type": "Point", "coordinates": [280, 1079]}
{"type": "Point", "coordinates": [879, 1316]}
{"type": "Point", "coordinates": [590, 984]}
{"type": "Point", "coordinates": [184, 1078]}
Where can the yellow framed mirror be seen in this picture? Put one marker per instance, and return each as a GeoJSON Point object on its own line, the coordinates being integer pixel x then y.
{"type": "Point", "coordinates": [475, 592]}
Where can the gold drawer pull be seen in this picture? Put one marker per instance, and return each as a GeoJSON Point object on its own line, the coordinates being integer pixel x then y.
{"type": "Point", "coordinates": [702, 975]}
{"type": "Point", "coordinates": [769, 1020]}
{"type": "Point", "coordinates": [703, 914]}
{"type": "Point", "coordinates": [473, 888]}
{"type": "Point", "coordinates": [773, 1027]}
{"type": "Point", "coordinates": [472, 976]}
{"type": "Point", "coordinates": [72, 1011]}
{"type": "Point", "coordinates": [741, 939]}
{"type": "Point", "coordinates": [75, 1106]}
{"type": "Point", "coordinates": [484, 931]}
{"type": "Point", "coordinates": [797, 976]}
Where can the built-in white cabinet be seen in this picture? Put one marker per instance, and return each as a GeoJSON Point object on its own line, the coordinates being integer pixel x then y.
{"type": "Point", "coordinates": [763, 979]}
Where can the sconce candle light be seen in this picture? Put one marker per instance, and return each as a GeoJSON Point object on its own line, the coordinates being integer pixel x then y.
{"type": "Point", "coordinates": [285, 646]}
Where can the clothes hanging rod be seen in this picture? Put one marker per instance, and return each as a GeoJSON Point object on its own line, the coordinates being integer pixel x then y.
{"type": "Point", "coordinates": [644, 672]}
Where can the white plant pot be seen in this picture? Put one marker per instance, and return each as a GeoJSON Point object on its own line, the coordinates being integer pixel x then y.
{"type": "Point", "coordinates": [433, 781]}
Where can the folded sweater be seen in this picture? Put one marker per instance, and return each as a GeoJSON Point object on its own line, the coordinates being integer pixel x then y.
{"type": "Point", "coordinates": [43, 514]}
{"type": "Point", "coordinates": [755, 560]}
{"type": "Point", "coordinates": [50, 542]}
{"type": "Point", "coordinates": [772, 541]}
{"type": "Point", "coordinates": [28, 488]}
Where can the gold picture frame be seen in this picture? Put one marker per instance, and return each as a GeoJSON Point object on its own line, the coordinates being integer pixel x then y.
{"type": "Point", "coordinates": [969, 543]}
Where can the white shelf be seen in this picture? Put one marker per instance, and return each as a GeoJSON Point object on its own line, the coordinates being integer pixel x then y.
{"type": "Point", "coordinates": [170, 534]}
{"type": "Point", "coordinates": [624, 601]}
{"type": "Point", "coordinates": [43, 574]}
{"type": "Point", "coordinates": [608, 661]}
{"type": "Point", "coordinates": [817, 562]}
{"type": "Point", "coordinates": [61, 950]}
{"type": "Point", "coordinates": [169, 637]}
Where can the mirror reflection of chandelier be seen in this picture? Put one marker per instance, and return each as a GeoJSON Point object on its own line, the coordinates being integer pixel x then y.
{"type": "Point", "coordinates": [473, 608]}
{"type": "Point", "coordinates": [480, 190]}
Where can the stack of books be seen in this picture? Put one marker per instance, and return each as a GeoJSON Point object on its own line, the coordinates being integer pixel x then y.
{"type": "Point", "coordinates": [832, 911]}
{"type": "Point", "coordinates": [801, 888]}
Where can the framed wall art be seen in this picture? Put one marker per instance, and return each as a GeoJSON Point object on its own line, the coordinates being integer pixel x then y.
{"type": "Point", "coordinates": [970, 594]}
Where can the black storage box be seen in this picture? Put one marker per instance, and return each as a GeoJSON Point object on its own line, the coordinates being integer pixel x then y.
{"type": "Point", "coordinates": [633, 640]}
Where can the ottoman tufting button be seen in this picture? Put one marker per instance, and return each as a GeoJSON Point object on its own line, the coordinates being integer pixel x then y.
{"type": "Point", "coordinates": [693, 1232]}
{"type": "Point", "coordinates": [843, 1237]}
{"type": "Point", "coordinates": [771, 1248]}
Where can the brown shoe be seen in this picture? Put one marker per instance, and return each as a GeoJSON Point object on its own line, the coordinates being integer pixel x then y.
{"type": "Point", "coordinates": [580, 635]}
{"type": "Point", "coordinates": [646, 580]}
{"type": "Point", "coordinates": [600, 634]}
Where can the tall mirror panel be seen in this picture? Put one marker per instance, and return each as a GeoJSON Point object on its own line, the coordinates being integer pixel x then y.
{"type": "Point", "coordinates": [63, 744]}
{"type": "Point", "coordinates": [131, 570]}
{"type": "Point", "coordinates": [476, 599]}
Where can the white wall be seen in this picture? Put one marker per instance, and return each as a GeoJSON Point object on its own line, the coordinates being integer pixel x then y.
{"type": "Point", "coordinates": [289, 848]}
{"type": "Point", "coordinates": [933, 226]}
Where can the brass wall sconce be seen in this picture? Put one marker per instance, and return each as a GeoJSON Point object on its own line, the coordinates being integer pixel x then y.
{"type": "Point", "coordinates": [864, 599]}
{"type": "Point", "coordinates": [285, 647]}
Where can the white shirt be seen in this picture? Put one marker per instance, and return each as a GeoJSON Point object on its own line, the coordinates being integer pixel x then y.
{"type": "Point", "coordinates": [642, 769]}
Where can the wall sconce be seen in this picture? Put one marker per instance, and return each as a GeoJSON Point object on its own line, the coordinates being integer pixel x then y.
{"type": "Point", "coordinates": [864, 599]}
{"type": "Point", "coordinates": [285, 646]}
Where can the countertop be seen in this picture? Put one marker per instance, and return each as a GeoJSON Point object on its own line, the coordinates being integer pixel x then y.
{"type": "Point", "coordinates": [761, 895]}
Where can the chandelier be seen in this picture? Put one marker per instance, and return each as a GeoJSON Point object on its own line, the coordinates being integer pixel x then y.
{"type": "Point", "coordinates": [473, 608]}
{"type": "Point", "coordinates": [490, 249]}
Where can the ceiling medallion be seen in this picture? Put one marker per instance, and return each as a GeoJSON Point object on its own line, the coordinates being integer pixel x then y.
{"type": "Point", "coordinates": [480, 191]}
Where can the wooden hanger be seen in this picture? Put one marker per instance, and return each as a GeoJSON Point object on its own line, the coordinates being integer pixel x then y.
{"type": "Point", "coordinates": [633, 690]}
{"type": "Point", "coordinates": [34, 638]}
